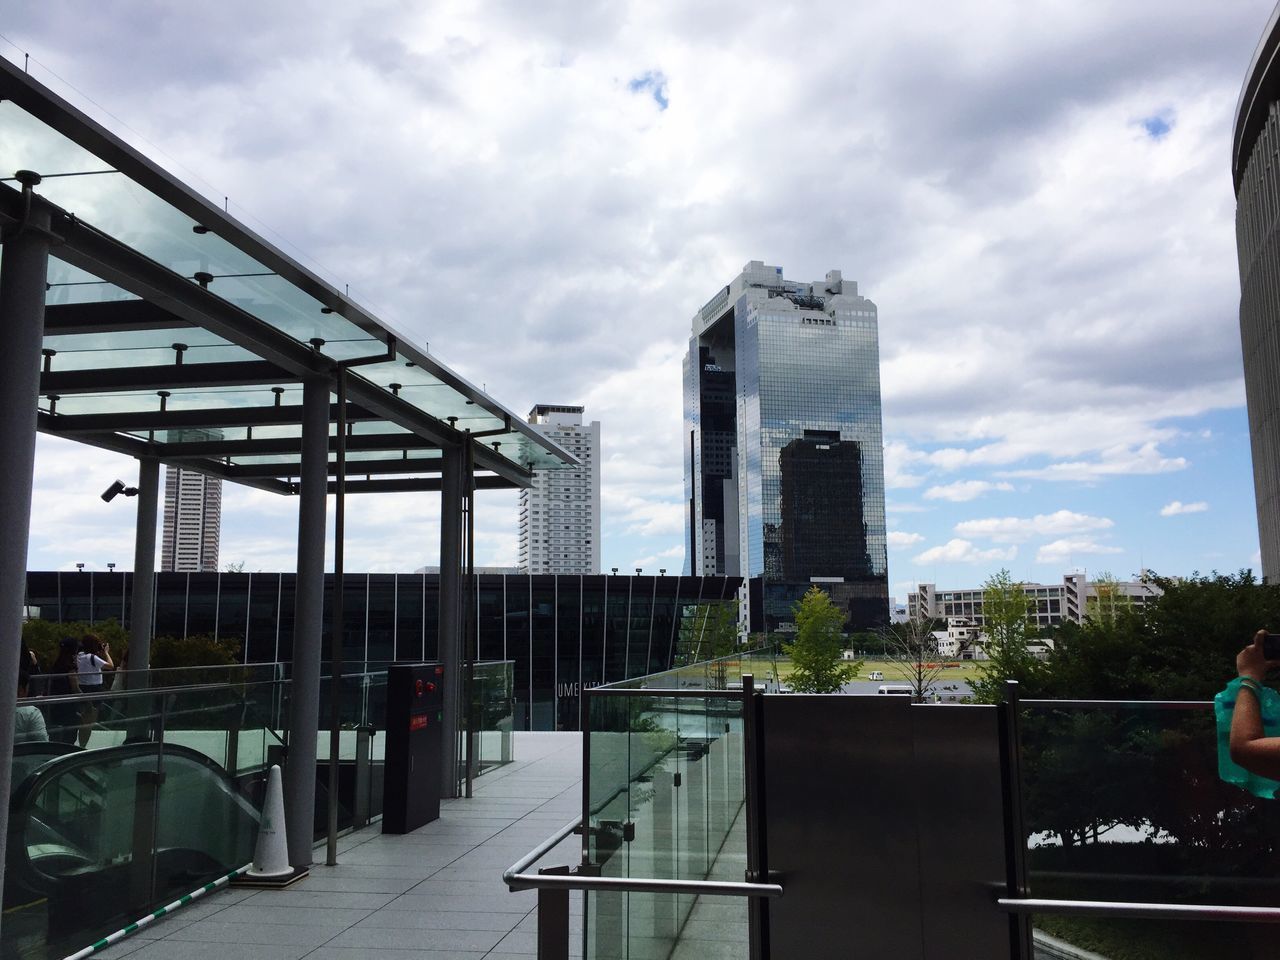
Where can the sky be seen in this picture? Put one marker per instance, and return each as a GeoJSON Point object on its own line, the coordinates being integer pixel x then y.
{"type": "Point", "coordinates": [1036, 195]}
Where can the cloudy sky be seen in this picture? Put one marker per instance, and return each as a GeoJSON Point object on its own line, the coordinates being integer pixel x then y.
{"type": "Point", "coordinates": [1037, 196]}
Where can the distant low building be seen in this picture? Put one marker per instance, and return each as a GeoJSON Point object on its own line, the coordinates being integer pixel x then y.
{"type": "Point", "coordinates": [1072, 600]}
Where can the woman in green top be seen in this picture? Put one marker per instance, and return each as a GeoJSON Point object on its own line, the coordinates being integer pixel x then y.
{"type": "Point", "coordinates": [1251, 748]}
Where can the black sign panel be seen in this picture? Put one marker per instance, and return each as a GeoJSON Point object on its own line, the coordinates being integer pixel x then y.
{"type": "Point", "coordinates": [415, 707]}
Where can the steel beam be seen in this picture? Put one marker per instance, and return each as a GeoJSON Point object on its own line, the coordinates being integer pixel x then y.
{"type": "Point", "coordinates": [108, 316]}
{"type": "Point", "coordinates": [283, 446]}
{"type": "Point", "coordinates": [22, 289]}
{"type": "Point", "coordinates": [449, 644]}
{"type": "Point", "coordinates": [144, 568]}
{"type": "Point", "coordinates": [416, 484]}
{"type": "Point", "coordinates": [355, 468]}
{"type": "Point", "coordinates": [241, 373]}
{"type": "Point", "coordinates": [143, 420]}
{"type": "Point", "coordinates": [308, 628]}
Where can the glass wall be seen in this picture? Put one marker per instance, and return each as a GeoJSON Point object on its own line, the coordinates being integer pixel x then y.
{"type": "Point", "coordinates": [667, 796]}
{"type": "Point", "coordinates": [562, 633]}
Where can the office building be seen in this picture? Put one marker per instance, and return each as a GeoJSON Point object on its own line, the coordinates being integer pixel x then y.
{"type": "Point", "coordinates": [1051, 604]}
{"type": "Point", "coordinates": [562, 633]}
{"type": "Point", "coordinates": [783, 448]}
{"type": "Point", "coordinates": [560, 513]}
{"type": "Point", "coordinates": [192, 521]}
{"type": "Point", "coordinates": [1256, 176]}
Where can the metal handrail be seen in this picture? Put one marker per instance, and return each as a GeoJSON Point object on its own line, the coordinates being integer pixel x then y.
{"type": "Point", "coordinates": [1116, 704]}
{"type": "Point", "coordinates": [515, 877]}
{"type": "Point", "coordinates": [1153, 911]}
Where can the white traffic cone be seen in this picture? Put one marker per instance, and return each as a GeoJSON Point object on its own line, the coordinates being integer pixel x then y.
{"type": "Point", "coordinates": [271, 855]}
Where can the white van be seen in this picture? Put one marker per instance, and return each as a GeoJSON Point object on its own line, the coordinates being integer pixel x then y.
{"type": "Point", "coordinates": [898, 689]}
{"type": "Point", "coordinates": [875, 675]}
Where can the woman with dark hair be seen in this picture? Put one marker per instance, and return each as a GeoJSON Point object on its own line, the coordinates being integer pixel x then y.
{"type": "Point", "coordinates": [94, 657]}
{"type": "Point", "coordinates": [64, 680]}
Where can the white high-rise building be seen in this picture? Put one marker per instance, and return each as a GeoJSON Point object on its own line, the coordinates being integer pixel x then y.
{"type": "Point", "coordinates": [560, 513]}
{"type": "Point", "coordinates": [192, 521]}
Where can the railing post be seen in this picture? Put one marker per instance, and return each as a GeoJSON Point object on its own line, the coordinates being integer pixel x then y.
{"type": "Point", "coordinates": [553, 919]}
{"type": "Point", "coordinates": [757, 909]}
{"type": "Point", "coordinates": [1014, 822]}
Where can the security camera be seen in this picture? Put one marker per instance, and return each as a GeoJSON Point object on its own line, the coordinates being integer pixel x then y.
{"type": "Point", "coordinates": [116, 489]}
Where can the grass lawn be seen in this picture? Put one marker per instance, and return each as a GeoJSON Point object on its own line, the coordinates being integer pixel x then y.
{"type": "Point", "coordinates": [965, 670]}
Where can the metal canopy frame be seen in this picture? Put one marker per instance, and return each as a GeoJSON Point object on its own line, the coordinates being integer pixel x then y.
{"type": "Point", "coordinates": [147, 297]}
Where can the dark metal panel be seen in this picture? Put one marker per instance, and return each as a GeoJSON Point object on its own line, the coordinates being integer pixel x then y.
{"type": "Point", "coordinates": [168, 377]}
{"type": "Point", "coordinates": [108, 316]}
{"type": "Point", "coordinates": [415, 485]}
{"type": "Point", "coordinates": [838, 788]}
{"type": "Point", "coordinates": [286, 414]}
{"type": "Point", "coordinates": [280, 446]}
{"type": "Point", "coordinates": [960, 823]}
{"type": "Point", "coordinates": [356, 468]}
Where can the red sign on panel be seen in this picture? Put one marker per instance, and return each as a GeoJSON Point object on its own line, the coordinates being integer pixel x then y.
{"type": "Point", "coordinates": [417, 723]}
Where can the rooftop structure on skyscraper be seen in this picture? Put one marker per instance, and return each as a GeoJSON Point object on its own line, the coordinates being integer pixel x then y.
{"type": "Point", "coordinates": [784, 453]}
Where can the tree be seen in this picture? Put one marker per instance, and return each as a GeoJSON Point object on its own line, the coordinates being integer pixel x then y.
{"type": "Point", "coordinates": [1005, 612]}
{"type": "Point", "coordinates": [913, 650]}
{"type": "Point", "coordinates": [816, 664]}
{"type": "Point", "coordinates": [710, 631]}
{"type": "Point", "coordinates": [236, 567]}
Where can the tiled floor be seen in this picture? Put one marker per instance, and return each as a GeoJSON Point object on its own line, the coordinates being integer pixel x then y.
{"type": "Point", "coordinates": [433, 894]}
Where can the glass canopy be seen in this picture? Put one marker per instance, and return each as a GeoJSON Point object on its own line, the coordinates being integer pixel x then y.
{"type": "Point", "coordinates": [173, 331]}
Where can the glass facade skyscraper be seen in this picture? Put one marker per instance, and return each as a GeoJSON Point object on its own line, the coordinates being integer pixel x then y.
{"type": "Point", "coordinates": [784, 451]}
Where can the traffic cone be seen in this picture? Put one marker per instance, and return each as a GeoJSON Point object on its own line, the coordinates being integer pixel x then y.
{"type": "Point", "coordinates": [271, 854]}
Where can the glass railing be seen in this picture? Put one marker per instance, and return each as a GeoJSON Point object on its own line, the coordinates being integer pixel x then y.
{"type": "Point", "coordinates": [1122, 802]}
{"type": "Point", "coordinates": [490, 719]}
{"type": "Point", "coordinates": [117, 680]}
{"type": "Point", "coordinates": [665, 798]}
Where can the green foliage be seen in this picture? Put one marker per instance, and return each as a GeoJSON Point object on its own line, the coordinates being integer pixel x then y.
{"type": "Point", "coordinates": [708, 632]}
{"type": "Point", "coordinates": [815, 652]}
{"type": "Point", "coordinates": [44, 636]}
{"type": "Point", "coordinates": [1005, 608]}
{"type": "Point", "coordinates": [197, 650]}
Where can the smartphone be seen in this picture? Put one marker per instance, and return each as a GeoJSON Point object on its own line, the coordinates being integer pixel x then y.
{"type": "Point", "coordinates": [1271, 646]}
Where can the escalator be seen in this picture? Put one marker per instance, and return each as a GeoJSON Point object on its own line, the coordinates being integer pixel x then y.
{"type": "Point", "coordinates": [99, 837]}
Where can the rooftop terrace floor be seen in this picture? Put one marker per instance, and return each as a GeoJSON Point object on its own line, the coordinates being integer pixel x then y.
{"type": "Point", "coordinates": [432, 894]}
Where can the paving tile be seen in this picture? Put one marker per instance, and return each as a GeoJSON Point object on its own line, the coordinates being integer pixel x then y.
{"type": "Point", "coordinates": [362, 953]}
{"type": "Point", "coordinates": [328, 916]}
{"type": "Point", "coordinates": [190, 950]}
{"type": "Point", "coordinates": [403, 938]}
{"type": "Point", "coordinates": [286, 934]}
{"type": "Point", "coordinates": [296, 897]}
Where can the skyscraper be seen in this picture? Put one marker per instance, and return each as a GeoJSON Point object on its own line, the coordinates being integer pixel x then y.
{"type": "Point", "coordinates": [1256, 175]}
{"type": "Point", "coordinates": [784, 453]}
{"type": "Point", "coordinates": [192, 521]}
{"type": "Point", "coordinates": [560, 513]}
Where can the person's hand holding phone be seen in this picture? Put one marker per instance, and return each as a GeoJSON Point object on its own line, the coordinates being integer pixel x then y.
{"type": "Point", "coordinates": [1262, 653]}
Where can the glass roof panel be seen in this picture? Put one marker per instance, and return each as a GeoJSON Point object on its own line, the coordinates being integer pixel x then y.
{"type": "Point", "coordinates": [144, 209]}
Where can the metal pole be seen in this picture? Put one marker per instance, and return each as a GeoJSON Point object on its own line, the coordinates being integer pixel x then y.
{"type": "Point", "coordinates": [336, 628]}
{"type": "Point", "coordinates": [144, 570]}
{"type": "Point", "coordinates": [1014, 823]}
{"type": "Point", "coordinates": [450, 630]}
{"type": "Point", "coordinates": [470, 636]}
{"type": "Point", "coordinates": [22, 290]}
{"type": "Point", "coordinates": [308, 623]}
{"type": "Point", "coordinates": [553, 919]}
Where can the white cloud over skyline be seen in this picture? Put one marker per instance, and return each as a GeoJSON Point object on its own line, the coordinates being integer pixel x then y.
{"type": "Point", "coordinates": [547, 194]}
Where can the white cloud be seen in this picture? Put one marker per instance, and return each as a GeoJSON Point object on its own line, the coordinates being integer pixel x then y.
{"type": "Point", "coordinates": [1145, 459]}
{"type": "Point", "coordinates": [964, 490]}
{"type": "Point", "coordinates": [1177, 508]}
{"type": "Point", "coordinates": [1019, 529]}
{"type": "Point", "coordinates": [900, 538]}
{"type": "Point", "coordinates": [962, 551]}
{"type": "Point", "coordinates": [1060, 551]}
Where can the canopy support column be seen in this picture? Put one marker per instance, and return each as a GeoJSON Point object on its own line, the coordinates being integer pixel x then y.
{"type": "Point", "coordinates": [22, 289]}
{"type": "Point", "coordinates": [308, 623]}
{"type": "Point", "coordinates": [450, 632]}
{"type": "Point", "coordinates": [144, 570]}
